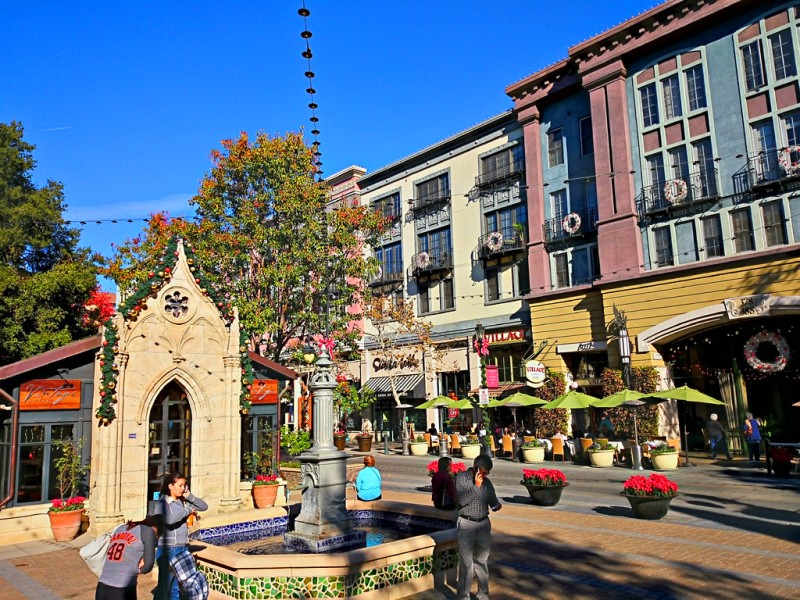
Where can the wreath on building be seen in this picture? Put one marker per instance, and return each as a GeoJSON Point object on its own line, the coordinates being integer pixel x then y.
{"type": "Point", "coordinates": [769, 337]}
{"type": "Point", "coordinates": [571, 223]}
{"type": "Point", "coordinates": [785, 160]}
{"type": "Point", "coordinates": [494, 242]}
{"type": "Point", "coordinates": [675, 191]}
{"type": "Point", "coordinates": [423, 260]}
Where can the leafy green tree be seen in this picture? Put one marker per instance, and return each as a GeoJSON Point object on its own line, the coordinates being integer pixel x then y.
{"type": "Point", "coordinates": [265, 235]}
{"type": "Point", "coordinates": [45, 279]}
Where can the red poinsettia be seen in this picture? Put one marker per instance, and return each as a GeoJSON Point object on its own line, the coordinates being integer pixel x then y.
{"type": "Point", "coordinates": [546, 477]}
{"type": "Point", "coordinates": [456, 467]}
{"type": "Point", "coordinates": [655, 485]}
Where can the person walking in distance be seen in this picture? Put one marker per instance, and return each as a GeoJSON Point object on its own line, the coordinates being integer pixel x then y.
{"type": "Point", "coordinates": [716, 437]}
{"type": "Point", "coordinates": [753, 436]}
{"type": "Point", "coordinates": [476, 496]}
{"type": "Point", "coordinates": [176, 504]}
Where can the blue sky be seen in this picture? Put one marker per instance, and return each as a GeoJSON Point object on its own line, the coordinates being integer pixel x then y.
{"type": "Point", "coordinates": [124, 101]}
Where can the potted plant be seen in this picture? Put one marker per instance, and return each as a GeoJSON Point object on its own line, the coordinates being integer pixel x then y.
{"type": "Point", "coordinates": [601, 454]}
{"type": "Point", "coordinates": [663, 456]}
{"type": "Point", "coordinates": [340, 439]}
{"type": "Point", "coordinates": [470, 448]}
{"type": "Point", "coordinates": [259, 462]}
{"type": "Point", "coordinates": [455, 467]}
{"type": "Point", "coordinates": [364, 440]}
{"type": "Point", "coordinates": [67, 510]}
{"type": "Point", "coordinates": [649, 496]}
{"type": "Point", "coordinates": [533, 451]}
{"type": "Point", "coordinates": [265, 490]}
{"type": "Point", "coordinates": [544, 485]}
{"type": "Point", "coordinates": [418, 446]}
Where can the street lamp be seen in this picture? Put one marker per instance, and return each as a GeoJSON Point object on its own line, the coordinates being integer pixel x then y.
{"type": "Point", "coordinates": [621, 322]}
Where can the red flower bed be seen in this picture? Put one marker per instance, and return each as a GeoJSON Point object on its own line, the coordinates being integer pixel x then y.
{"type": "Point", "coordinates": [544, 477]}
{"type": "Point", "coordinates": [655, 485]}
{"type": "Point", "coordinates": [456, 467]}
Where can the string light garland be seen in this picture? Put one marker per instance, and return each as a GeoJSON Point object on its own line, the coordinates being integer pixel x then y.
{"type": "Point", "coordinates": [311, 91]}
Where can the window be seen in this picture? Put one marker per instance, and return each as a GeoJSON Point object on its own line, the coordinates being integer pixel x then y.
{"type": "Point", "coordinates": [454, 384]}
{"type": "Point", "coordinates": [590, 194]}
{"type": "Point", "coordinates": [437, 245]}
{"type": "Point", "coordinates": [555, 147]}
{"type": "Point", "coordinates": [424, 296]}
{"type": "Point", "coordinates": [655, 170]}
{"type": "Point", "coordinates": [581, 266]}
{"type": "Point", "coordinates": [696, 88]}
{"type": "Point", "coordinates": [672, 97]}
{"type": "Point", "coordinates": [446, 300]}
{"type": "Point", "coordinates": [587, 141]}
{"type": "Point", "coordinates": [663, 240]}
{"type": "Point", "coordinates": [712, 236]}
{"type": "Point", "coordinates": [389, 207]}
{"type": "Point", "coordinates": [36, 475]}
{"type": "Point", "coordinates": [492, 285]}
{"type": "Point", "coordinates": [647, 95]}
{"type": "Point", "coordinates": [558, 205]}
{"type": "Point", "coordinates": [501, 164]}
{"type": "Point", "coordinates": [774, 230]}
{"type": "Point", "coordinates": [391, 259]}
{"type": "Point", "coordinates": [783, 60]}
{"type": "Point", "coordinates": [742, 226]}
{"type": "Point", "coordinates": [256, 433]}
{"type": "Point", "coordinates": [523, 278]}
{"type": "Point", "coordinates": [791, 125]}
{"type": "Point", "coordinates": [765, 161]}
{"type": "Point", "coordinates": [509, 365]}
{"type": "Point", "coordinates": [704, 159]}
{"type": "Point", "coordinates": [678, 164]}
{"type": "Point", "coordinates": [561, 270]}
{"type": "Point", "coordinates": [437, 188]}
{"type": "Point", "coordinates": [753, 66]}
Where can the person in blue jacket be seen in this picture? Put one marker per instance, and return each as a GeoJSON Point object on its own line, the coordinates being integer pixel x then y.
{"type": "Point", "coordinates": [753, 436]}
{"type": "Point", "coordinates": [368, 482]}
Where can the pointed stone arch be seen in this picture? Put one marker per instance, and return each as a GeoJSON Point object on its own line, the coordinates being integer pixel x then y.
{"type": "Point", "coordinates": [198, 401]}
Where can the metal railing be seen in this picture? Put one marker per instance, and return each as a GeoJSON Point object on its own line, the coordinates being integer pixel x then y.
{"type": "Point", "coordinates": [496, 243]}
{"type": "Point", "coordinates": [698, 186]}
{"type": "Point", "coordinates": [388, 273]}
{"type": "Point", "coordinates": [510, 171]}
{"type": "Point", "coordinates": [431, 200]}
{"type": "Point", "coordinates": [429, 262]}
{"type": "Point", "coordinates": [568, 226]}
{"type": "Point", "coordinates": [774, 164]}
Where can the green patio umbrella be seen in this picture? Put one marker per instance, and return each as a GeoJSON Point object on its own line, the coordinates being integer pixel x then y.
{"type": "Point", "coordinates": [437, 402]}
{"type": "Point", "coordinates": [461, 404]}
{"type": "Point", "coordinates": [687, 394]}
{"type": "Point", "coordinates": [618, 398]}
{"type": "Point", "coordinates": [515, 401]}
{"type": "Point", "coordinates": [572, 399]}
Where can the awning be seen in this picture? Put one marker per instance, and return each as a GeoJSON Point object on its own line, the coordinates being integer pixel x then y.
{"type": "Point", "coordinates": [402, 383]}
{"type": "Point", "coordinates": [504, 389]}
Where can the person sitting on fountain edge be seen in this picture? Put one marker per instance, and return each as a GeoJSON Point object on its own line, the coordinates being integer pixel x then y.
{"type": "Point", "coordinates": [444, 490]}
{"type": "Point", "coordinates": [368, 482]}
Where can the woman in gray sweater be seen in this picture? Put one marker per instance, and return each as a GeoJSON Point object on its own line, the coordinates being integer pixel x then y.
{"type": "Point", "coordinates": [132, 550]}
{"type": "Point", "coordinates": [176, 504]}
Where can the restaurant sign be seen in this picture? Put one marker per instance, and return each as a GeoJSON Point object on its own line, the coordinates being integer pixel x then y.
{"type": "Point", "coordinates": [747, 306]}
{"type": "Point", "coordinates": [497, 337]}
{"type": "Point", "coordinates": [535, 373]}
{"type": "Point", "coordinates": [264, 391]}
{"type": "Point", "coordinates": [50, 394]}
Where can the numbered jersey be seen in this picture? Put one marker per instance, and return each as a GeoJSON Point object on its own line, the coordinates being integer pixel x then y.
{"type": "Point", "coordinates": [125, 553]}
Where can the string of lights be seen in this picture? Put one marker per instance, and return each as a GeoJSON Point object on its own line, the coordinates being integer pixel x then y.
{"type": "Point", "coordinates": [311, 91]}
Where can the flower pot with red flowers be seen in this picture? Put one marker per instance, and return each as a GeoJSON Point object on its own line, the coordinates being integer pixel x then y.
{"type": "Point", "coordinates": [65, 517]}
{"type": "Point", "coordinates": [649, 497]}
{"type": "Point", "coordinates": [265, 490]}
{"type": "Point", "coordinates": [455, 468]}
{"type": "Point", "coordinates": [66, 511]}
{"type": "Point", "coordinates": [544, 485]}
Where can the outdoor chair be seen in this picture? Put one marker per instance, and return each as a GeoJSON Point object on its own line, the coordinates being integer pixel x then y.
{"type": "Point", "coordinates": [455, 443]}
{"type": "Point", "coordinates": [492, 447]}
{"type": "Point", "coordinates": [508, 446]}
{"type": "Point", "coordinates": [558, 448]}
{"type": "Point", "coordinates": [528, 438]}
{"type": "Point", "coordinates": [431, 442]}
{"type": "Point", "coordinates": [585, 444]}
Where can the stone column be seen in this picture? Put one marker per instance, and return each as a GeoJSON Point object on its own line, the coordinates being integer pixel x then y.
{"type": "Point", "coordinates": [231, 449]}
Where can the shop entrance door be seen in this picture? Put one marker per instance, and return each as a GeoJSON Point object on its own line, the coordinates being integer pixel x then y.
{"type": "Point", "coordinates": [170, 430]}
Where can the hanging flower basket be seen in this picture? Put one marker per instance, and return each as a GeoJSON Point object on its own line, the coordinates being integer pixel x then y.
{"type": "Point", "coordinates": [770, 337]}
{"type": "Point", "coordinates": [675, 191]}
{"type": "Point", "coordinates": [785, 161]}
{"type": "Point", "coordinates": [494, 242]}
{"type": "Point", "coordinates": [571, 224]}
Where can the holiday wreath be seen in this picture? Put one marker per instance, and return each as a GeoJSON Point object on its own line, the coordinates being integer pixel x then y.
{"type": "Point", "coordinates": [751, 347]}
{"type": "Point", "coordinates": [494, 242]}
{"type": "Point", "coordinates": [571, 223]}
{"type": "Point", "coordinates": [675, 191]}
{"type": "Point", "coordinates": [785, 160]}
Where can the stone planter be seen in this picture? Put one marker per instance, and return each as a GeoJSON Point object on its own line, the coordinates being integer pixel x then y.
{"type": "Point", "coordinates": [545, 495]}
{"type": "Point", "coordinates": [264, 495]}
{"type": "Point", "coordinates": [292, 477]}
{"type": "Point", "coordinates": [470, 451]}
{"type": "Point", "coordinates": [649, 507]}
{"type": "Point", "coordinates": [339, 440]}
{"type": "Point", "coordinates": [533, 455]}
{"type": "Point", "coordinates": [667, 461]}
{"type": "Point", "coordinates": [418, 448]}
{"type": "Point", "coordinates": [364, 443]}
{"type": "Point", "coordinates": [601, 458]}
{"type": "Point", "coordinates": [65, 525]}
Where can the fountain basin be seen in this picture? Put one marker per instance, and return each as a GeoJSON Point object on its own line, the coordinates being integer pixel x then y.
{"type": "Point", "coordinates": [385, 571]}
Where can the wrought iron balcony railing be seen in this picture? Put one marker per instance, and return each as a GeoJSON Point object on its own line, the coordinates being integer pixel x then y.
{"type": "Point", "coordinates": [388, 273]}
{"type": "Point", "coordinates": [431, 262]}
{"type": "Point", "coordinates": [700, 186]}
{"type": "Point", "coordinates": [774, 165]}
{"type": "Point", "coordinates": [576, 223]}
{"type": "Point", "coordinates": [498, 243]}
{"type": "Point", "coordinates": [504, 173]}
{"type": "Point", "coordinates": [431, 200]}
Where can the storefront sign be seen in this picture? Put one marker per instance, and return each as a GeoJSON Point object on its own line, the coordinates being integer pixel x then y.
{"type": "Point", "coordinates": [535, 373]}
{"type": "Point", "coordinates": [50, 394]}
{"type": "Point", "coordinates": [405, 362]}
{"type": "Point", "coordinates": [492, 377]}
{"type": "Point", "coordinates": [483, 396]}
{"type": "Point", "coordinates": [590, 346]}
{"type": "Point", "coordinates": [452, 413]}
{"type": "Point", "coordinates": [515, 335]}
{"type": "Point", "coordinates": [747, 306]}
{"type": "Point", "coordinates": [264, 391]}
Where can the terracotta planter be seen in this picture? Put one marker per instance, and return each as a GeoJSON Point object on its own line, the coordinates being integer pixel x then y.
{"type": "Point", "coordinates": [545, 495]}
{"type": "Point", "coordinates": [418, 448]}
{"type": "Point", "coordinates": [601, 458]}
{"type": "Point", "coordinates": [339, 441]}
{"type": "Point", "coordinates": [470, 451]}
{"type": "Point", "coordinates": [667, 461]}
{"type": "Point", "coordinates": [264, 495]}
{"type": "Point", "coordinates": [649, 507]}
{"type": "Point", "coordinates": [533, 455]}
{"type": "Point", "coordinates": [364, 443]}
{"type": "Point", "coordinates": [65, 525]}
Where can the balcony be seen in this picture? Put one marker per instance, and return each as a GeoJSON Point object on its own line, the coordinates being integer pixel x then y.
{"type": "Point", "coordinates": [430, 201]}
{"type": "Point", "coordinates": [431, 262]}
{"type": "Point", "coordinates": [388, 274]}
{"type": "Point", "coordinates": [774, 167]}
{"type": "Point", "coordinates": [578, 223]}
{"type": "Point", "coordinates": [698, 188]}
{"type": "Point", "coordinates": [501, 175]}
{"type": "Point", "coordinates": [496, 244]}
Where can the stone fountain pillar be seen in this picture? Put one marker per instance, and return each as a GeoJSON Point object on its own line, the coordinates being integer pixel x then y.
{"type": "Point", "coordinates": [323, 524]}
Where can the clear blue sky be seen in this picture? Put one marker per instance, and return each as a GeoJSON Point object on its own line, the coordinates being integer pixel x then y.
{"type": "Point", "coordinates": [124, 101]}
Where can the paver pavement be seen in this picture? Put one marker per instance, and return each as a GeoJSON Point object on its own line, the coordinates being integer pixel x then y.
{"type": "Point", "coordinates": [740, 542]}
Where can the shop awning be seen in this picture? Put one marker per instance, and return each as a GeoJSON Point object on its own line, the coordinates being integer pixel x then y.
{"type": "Point", "coordinates": [402, 383]}
{"type": "Point", "coordinates": [504, 389]}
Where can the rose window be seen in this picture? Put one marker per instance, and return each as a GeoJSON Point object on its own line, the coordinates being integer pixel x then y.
{"type": "Point", "coordinates": [176, 304]}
